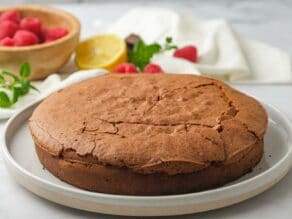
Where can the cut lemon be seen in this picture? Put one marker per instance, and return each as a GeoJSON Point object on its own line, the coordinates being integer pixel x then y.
{"type": "Point", "coordinates": [101, 51]}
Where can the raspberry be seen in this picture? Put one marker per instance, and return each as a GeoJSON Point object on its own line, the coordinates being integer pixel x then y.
{"type": "Point", "coordinates": [7, 41]}
{"type": "Point", "coordinates": [188, 53]}
{"type": "Point", "coordinates": [54, 33]}
{"type": "Point", "coordinates": [8, 29]}
{"type": "Point", "coordinates": [126, 68]}
{"type": "Point", "coordinates": [32, 24]}
{"type": "Point", "coordinates": [25, 38]}
{"type": "Point", "coordinates": [10, 15]}
{"type": "Point", "coordinates": [152, 69]}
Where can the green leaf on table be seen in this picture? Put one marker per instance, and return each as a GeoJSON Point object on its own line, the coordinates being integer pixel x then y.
{"type": "Point", "coordinates": [34, 88]}
{"type": "Point", "coordinates": [168, 44]}
{"type": "Point", "coordinates": [142, 53]}
{"type": "Point", "coordinates": [25, 70]}
{"type": "Point", "coordinates": [12, 76]}
{"type": "Point", "coordinates": [15, 94]}
{"type": "Point", "coordinates": [24, 86]}
{"type": "Point", "coordinates": [4, 100]}
{"type": "Point", "coordinates": [2, 80]}
{"type": "Point", "coordinates": [17, 86]}
{"type": "Point", "coordinates": [168, 39]}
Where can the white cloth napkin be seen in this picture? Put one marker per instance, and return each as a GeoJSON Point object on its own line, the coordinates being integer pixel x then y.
{"type": "Point", "coordinates": [222, 53]}
{"type": "Point", "coordinates": [51, 84]}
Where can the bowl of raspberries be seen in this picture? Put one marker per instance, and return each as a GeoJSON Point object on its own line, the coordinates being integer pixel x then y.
{"type": "Point", "coordinates": [43, 36]}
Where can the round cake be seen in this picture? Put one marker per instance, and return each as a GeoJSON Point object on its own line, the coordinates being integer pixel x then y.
{"type": "Point", "coordinates": [148, 134]}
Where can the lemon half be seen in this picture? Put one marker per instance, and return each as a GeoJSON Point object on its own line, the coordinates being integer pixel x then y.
{"type": "Point", "coordinates": [102, 51]}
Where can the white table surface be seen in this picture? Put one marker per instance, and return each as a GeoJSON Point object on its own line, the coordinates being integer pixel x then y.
{"type": "Point", "coordinates": [269, 21]}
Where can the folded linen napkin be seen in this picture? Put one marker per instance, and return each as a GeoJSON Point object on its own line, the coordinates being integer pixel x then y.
{"type": "Point", "coordinates": [49, 85]}
{"type": "Point", "coordinates": [222, 53]}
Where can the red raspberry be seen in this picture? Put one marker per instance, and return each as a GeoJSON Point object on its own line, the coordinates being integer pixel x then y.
{"type": "Point", "coordinates": [25, 38]}
{"type": "Point", "coordinates": [54, 33]}
{"type": "Point", "coordinates": [188, 53]}
{"type": "Point", "coordinates": [32, 24]}
{"type": "Point", "coordinates": [126, 68]}
{"type": "Point", "coordinates": [7, 41]}
{"type": "Point", "coordinates": [152, 69]}
{"type": "Point", "coordinates": [10, 15]}
{"type": "Point", "coordinates": [8, 29]}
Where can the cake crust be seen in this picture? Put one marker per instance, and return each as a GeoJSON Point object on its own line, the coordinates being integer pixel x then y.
{"type": "Point", "coordinates": [156, 129]}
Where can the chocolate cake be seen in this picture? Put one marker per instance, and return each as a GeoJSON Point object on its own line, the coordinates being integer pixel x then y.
{"type": "Point", "coordinates": [148, 134]}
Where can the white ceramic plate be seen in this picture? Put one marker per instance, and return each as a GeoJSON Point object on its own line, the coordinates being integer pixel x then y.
{"type": "Point", "coordinates": [21, 160]}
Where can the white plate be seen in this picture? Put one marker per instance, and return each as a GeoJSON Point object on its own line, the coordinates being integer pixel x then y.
{"type": "Point", "coordinates": [21, 160]}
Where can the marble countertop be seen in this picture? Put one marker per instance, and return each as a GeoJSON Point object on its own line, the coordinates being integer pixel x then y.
{"type": "Point", "coordinates": [269, 21]}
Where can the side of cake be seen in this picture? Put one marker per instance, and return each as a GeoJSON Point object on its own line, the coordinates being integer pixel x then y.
{"type": "Point", "coordinates": [149, 134]}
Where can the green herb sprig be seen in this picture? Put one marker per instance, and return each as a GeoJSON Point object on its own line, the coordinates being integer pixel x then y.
{"type": "Point", "coordinates": [169, 44]}
{"type": "Point", "coordinates": [16, 85]}
{"type": "Point", "coordinates": [142, 52]}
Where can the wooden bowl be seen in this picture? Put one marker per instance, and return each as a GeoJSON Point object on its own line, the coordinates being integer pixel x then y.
{"type": "Point", "coordinates": [46, 58]}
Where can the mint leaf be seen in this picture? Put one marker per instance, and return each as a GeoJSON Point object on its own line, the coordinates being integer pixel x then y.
{"type": "Point", "coordinates": [168, 39]}
{"type": "Point", "coordinates": [142, 53]}
{"type": "Point", "coordinates": [2, 79]}
{"type": "Point", "coordinates": [34, 88]}
{"type": "Point", "coordinates": [14, 77]}
{"type": "Point", "coordinates": [15, 94]}
{"type": "Point", "coordinates": [4, 100]}
{"type": "Point", "coordinates": [24, 86]}
{"type": "Point", "coordinates": [25, 70]}
{"type": "Point", "coordinates": [168, 44]}
{"type": "Point", "coordinates": [18, 86]}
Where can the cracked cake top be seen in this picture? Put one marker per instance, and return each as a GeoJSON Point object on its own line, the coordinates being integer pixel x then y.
{"type": "Point", "coordinates": [160, 123]}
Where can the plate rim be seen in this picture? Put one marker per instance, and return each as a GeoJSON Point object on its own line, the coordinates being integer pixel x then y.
{"type": "Point", "coordinates": [113, 199]}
